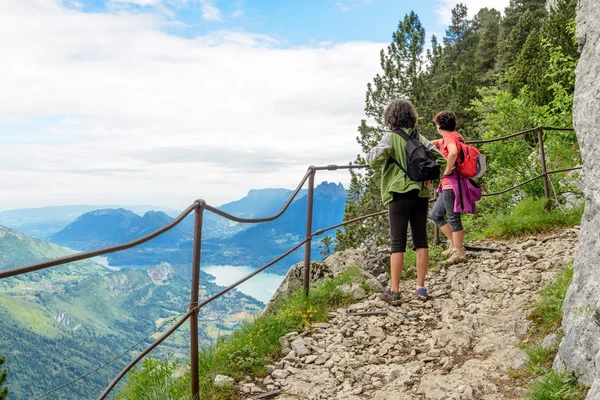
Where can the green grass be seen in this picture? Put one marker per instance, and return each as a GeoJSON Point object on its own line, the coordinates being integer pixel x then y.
{"type": "Point", "coordinates": [245, 352]}
{"type": "Point", "coordinates": [530, 217]}
{"type": "Point", "coordinates": [539, 358]}
{"type": "Point", "coordinates": [547, 313]}
{"type": "Point", "coordinates": [544, 383]}
{"type": "Point", "coordinates": [556, 385]}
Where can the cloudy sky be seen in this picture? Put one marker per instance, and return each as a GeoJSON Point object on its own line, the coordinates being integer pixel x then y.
{"type": "Point", "coordinates": [165, 101]}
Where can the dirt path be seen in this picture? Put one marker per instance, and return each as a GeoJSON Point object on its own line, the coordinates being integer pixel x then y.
{"type": "Point", "coordinates": [457, 345]}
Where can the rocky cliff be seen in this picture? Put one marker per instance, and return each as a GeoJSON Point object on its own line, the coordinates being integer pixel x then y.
{"type": "Point", "coordinates": [580, 349]}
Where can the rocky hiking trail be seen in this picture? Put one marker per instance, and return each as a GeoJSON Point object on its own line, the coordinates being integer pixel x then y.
{"type": "Point", "coordinates": [459, 344]}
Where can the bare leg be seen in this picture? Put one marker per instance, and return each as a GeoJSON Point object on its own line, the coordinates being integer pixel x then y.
{"type": "Point", "coordinates": [396, 266]}
{"type": "Point", "coordinates": [447, 230]}
{"type": "Point", "coordinates": [459, 239]}
{"type": "Point", "coordinates": [422, 264]}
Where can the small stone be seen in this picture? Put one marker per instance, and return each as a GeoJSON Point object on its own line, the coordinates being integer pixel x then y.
{"type": "Point", "coordinates": [300, 348]}
{"type": "Point", "coordinates": [310, 359]}
{"type": "Point", "coordinates": [284, 342]}
{"type": "Point", "coordinates": [550, 341]}
{"type": "Point", "coordinates": [434, 353]}
{"type": "Point", "coordinates": [268, 381]}
{"type": "Point", "coordinates": [280, 374]}
{"type": "Point", "coordinates": [376, 332]}
{"type": "Point", "coordinates": [223, 380]}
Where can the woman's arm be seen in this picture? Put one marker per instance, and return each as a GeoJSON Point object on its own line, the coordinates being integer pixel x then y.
{"type": "Point", "coordinates": [452, 155]}
{"type": "Point", "coordinates": [379, 154]}
{"type": "Point", "coordinates": [437, 143]}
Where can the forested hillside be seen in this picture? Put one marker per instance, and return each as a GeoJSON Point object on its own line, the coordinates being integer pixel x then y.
{"type": "Point", "coordinates": [501, 73]}
{"type": "Point", "coordinates": [60, 323]}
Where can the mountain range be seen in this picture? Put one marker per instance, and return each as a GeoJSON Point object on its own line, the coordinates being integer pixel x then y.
{"type": "Point", "coordinates": [244, 244]}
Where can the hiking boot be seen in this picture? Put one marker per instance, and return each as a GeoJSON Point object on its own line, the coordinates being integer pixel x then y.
{"type": "Point", "coordinates": [421, 293]}
{"type": "Point", "coordinates": [448, 252]}
{"type": "Point", "coordinates": [458, 256]}
{"type": "Point", "coordinates": [390, 297]}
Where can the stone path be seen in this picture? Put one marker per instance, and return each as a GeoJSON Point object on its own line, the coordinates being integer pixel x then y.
{"type": "Point", "coordinates": [457, 345]}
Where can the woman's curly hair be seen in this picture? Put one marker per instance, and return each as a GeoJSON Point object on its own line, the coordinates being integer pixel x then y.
{"type": "Point", "coordinates": [400, 114]}
{"type": "Point", "coordinates": [446, 120]}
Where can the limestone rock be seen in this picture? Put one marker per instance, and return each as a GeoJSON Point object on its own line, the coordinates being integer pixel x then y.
{"type": "Point", "coordinates": [355, 290]}
{"type": "Point", "coordinates": [333, 265]}
{"type": "Point", "coordinates": [223, 380]}
{"type": "Point", "coordinates": [580, 346]}
{"type": "Point", "coordinates": [300, 348]}
{"type": "Point", "coordinates": [280, 374]}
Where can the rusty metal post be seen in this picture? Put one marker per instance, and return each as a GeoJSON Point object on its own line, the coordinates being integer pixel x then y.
{"type": "Point", "coordinates": [540, 132]}
{"type": "Point", "coordinates": [194, 300]}
{"type": "Point", "coordinates": [309, 217]}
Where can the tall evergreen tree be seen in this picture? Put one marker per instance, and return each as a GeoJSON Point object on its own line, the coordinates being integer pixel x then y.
{"type": "Point", "coordinates": [402, 64]}
{"type": "Point", "coordinates": [487, 26]}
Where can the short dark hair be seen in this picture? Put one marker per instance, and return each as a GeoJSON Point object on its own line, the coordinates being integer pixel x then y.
{"type": "Point", "coordinates": [400, 114]}
{"type": "Point", "coordinates": [446, 120]}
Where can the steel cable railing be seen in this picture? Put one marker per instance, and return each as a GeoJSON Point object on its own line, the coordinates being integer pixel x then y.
{"type": "Point", "coordinates": [199, 206]}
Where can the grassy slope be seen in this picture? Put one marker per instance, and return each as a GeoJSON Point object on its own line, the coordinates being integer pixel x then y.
{"type": "Point", "coordinates": [62, 322]}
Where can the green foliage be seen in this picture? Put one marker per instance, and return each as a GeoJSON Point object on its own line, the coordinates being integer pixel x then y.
{"type": "Point", "coordinates": [539, 358]}
{"type": "Point", "coordinates": [528, 217]}
{"type": "Point", "coordinates": [500, 75]}
{"type": "Point", "coordinates": [157, 382]}
{"type": "Point", "coordinates": [247, 350]}
{"type": "Point", "coordinates": [326, 245]}
{"type": "Point", "coordinates": [3, 376]}
{"type": "Point", "coordinates": [556, 385]}
{"type": "Point", "coordinates": [548, 313]}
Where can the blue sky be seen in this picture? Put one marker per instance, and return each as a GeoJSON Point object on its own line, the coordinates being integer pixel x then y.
{"type": "Point", "coordinates": [118, 101]}
{"type": "Point", "coordinates": [296, 22]}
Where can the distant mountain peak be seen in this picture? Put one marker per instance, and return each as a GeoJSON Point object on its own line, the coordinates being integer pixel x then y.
{"type": "Point", "coordinates": [336, 190]}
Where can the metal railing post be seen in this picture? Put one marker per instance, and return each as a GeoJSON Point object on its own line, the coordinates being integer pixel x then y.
{"type": "Point", "coordinates": [194, 300]}
{"type": "Point", "coordinates": [540, 133]}
{"type": "Point", "coordinates": [309, 217]}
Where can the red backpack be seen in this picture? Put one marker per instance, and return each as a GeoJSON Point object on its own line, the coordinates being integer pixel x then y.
{"type": "Point", "coordinates": [470, 163]}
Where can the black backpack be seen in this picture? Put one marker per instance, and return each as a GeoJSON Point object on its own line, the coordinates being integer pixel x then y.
{"type": "Point", "coordinates": [421, 164]}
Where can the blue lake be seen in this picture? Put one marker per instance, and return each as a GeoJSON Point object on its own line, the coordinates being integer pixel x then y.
{"type": "Point", "coordinates": [261, 287]}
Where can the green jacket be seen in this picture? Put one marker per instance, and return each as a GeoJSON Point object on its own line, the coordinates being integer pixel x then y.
{"type": "Point", "coordinates": [393, 179]}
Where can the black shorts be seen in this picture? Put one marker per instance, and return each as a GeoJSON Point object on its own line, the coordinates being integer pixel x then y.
{"type": "Point", "coordinates": [405, 208]}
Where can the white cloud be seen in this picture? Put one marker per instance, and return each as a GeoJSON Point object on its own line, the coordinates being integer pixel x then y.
{"type": "Point", "coordinates": [237, 14]}
{"type": "Point", "coordinates": [139, 116]}
{"type": "Point", "coordinates": [444, 7]}
{"type": "Point", "coordinates": [347, 5]}
{"type": "Point", "coordinates": [209, 11]}
{"type": "Point", "coordinates": [141, 3]}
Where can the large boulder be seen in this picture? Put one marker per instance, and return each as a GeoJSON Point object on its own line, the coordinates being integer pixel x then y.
{"type": "Point", "coordinates": [580, 348]}
{"type": "Point", "coordinates": [319, 271]}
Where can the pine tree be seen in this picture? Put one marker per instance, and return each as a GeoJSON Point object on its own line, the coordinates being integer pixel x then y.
{"type": "Point", "coordinates": [402, 64]}
{"type": "Point", "coordinates": [487, 26]}
{"type": "Point", "coordinates": [325, 246]}
{"type": "Point", "coordinates": [3, 377]}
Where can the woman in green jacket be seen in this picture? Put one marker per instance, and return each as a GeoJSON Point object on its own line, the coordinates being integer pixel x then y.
{"type": "Point", "coordinates": [407, 200]}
